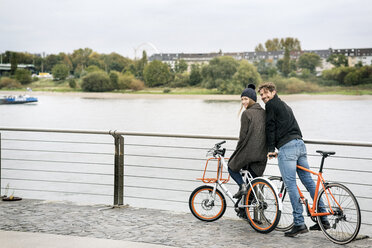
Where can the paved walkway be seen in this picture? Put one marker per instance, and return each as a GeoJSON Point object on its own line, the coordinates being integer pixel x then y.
{"type": "Point", "coordinates": [62, 225]}
{"type": "Point", "coordinates": [10, 239]}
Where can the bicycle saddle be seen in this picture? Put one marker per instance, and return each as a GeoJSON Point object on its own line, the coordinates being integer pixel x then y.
{"type": "Point", "coordinates": [326, 153]}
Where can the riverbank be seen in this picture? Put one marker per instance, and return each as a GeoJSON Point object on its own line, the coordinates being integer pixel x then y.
{"type": "Point", "coordinates": [110, 95]}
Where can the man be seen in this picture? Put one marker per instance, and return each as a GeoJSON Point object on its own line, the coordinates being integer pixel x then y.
{"type": "Point", "coordinates": [283, 132]}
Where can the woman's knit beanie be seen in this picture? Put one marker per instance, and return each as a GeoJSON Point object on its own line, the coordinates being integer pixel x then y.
{"type": "Point", "coordinates": [249, 92]}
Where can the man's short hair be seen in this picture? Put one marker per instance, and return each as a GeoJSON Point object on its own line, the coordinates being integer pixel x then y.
{"type": "Point", "coordinates": [267, 86]}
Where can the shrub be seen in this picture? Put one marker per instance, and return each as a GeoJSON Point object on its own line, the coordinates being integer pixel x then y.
{"type": "Point", "coordinates": [228, 87]}
{"type": "Point", "coordinates": [92, 68]}
{"type": "Point", "coordinates": [128, 81]}
{"type": "Point", "coordinates": [96, 82]}
{"type": "Point", "coordinates": [326, 82]}
{"type": "Point", "coordinates": [293, 85]}
{"type": "Point", "coordinates": [137, 84]}
{"type": "Point", "coordinates": [125, 80]}
{"type": "Point", "coordinates": [9, 83]}
{"type": "Point", "coordinates": [114, 79]}
{"type": "Point", "coordinates": [72, 83]}
{"type": "Point", "coordinates": [338, 74]}
{"type": "Point", "coordinates": [352, 78]}
{"type": "Point", "coordinates": [180, 80]}
{"type": "Point", "coordinates": [23, 76]}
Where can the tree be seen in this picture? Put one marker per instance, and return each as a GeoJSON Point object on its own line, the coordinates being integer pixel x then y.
{"type": "Point", "coordinates": [293, 44]}
{"type": "Point", "coordinates": [259, 48]}
{"type": "Point", "coordinates": [50, 61]}
{"type": "Point", "coordinates": [246, 74]}
{"type": "Point", "coordinates": [80, 57]}
{"type": "Point", "coordinates": [116, 62]}
{"type": "Point", "coordinates": [286, 69]}
{"type": "Point", "coordinates": [273, 45]}
{"type": "Point", "coordinates": [218, 70]}
{"type": "Point", "coordinates": [276, 44]}
{"type": "Point", "coordinates": [60, 72]}
{"type": "Point", "coordinates": [96, 82]}
{"type": "Point", "coordinates": [266, 69]}
{"type": "Point", "coordinates": [23, 76]}
{"type": "Point", "coordinates": [137, 68]}
{"type": "Point", "coordinates": [195, 75]}
{"type": "Point", "coordinates": [98, 60]}
{"type": "Point", "coordinates": [180, 66]}
{"type": "Point", "coordinates": [309, 61]}
{"type": "Point", "coordinates": [338, 60]}
{"type": "Point", "coordinates": [13, 62]}
{"type": "Point", "coordinates": [156, 73]}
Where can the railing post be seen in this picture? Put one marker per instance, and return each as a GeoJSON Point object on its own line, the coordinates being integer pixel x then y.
{"type": "Point", "coordinates": [118, 170]}
{"type": "Point", "coordinates": [121, 172]}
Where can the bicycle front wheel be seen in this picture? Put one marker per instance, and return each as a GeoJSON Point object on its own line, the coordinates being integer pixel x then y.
{"type": "Point", "coordinates": [262, 206]}
{"type": "Point", "coordinates": [205, 205]}
{"type": "Point", "coordinates": [345, 220]}
{"type": "Point", "coordinates": [286, 217]}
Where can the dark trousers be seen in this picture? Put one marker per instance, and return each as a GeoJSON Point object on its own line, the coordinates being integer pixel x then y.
{"type": "Point", "coordinates": [238, 177]}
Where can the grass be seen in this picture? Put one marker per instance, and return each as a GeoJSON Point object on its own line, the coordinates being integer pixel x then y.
{"type": "Point", "coordinates": [63, 86]}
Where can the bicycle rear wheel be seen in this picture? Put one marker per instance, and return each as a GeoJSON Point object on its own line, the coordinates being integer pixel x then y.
{"type": "Point", "coordinates": [286, 217]}
{"type": "Point", "coordinates": [346, 220]}
{"type": "Point", "coordinates": [262, 206]}
{"type": "Point", "coordinates": [206, 206]}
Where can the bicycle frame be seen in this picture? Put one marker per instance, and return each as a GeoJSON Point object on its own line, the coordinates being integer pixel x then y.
{"type": "Point", "coordinates": [246, 177]}
{"type": "Point", "coordinates": [320, 180]}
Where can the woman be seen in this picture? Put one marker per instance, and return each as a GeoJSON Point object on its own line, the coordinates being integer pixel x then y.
{"type": "Point", "coordinates": [251, 149]}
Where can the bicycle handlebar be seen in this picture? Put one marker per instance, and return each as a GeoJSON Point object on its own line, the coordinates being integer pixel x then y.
{"type": "Point", "coordinates": [218, 145]}
{"type": "Point", "coordinates": [216, 149]}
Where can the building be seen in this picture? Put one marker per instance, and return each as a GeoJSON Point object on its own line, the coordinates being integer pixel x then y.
{"type": "Point", "coordinates": [355, 55]}
{"type": "Point", "coordinates": [7, 67]}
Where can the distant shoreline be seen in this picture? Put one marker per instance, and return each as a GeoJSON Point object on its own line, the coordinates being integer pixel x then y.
{"type": "Point", "coordinates": [109, 95]}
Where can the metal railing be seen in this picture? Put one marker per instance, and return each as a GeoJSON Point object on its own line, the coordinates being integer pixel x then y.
{"type": "Point", "coordinates": [135, 167]}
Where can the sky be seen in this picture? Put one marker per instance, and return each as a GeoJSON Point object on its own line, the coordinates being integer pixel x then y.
{"type": "Point", "coordinates": [180, 26]}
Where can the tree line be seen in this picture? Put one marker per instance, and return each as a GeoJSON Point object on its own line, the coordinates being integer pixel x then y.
{"type": "Point", "coordinates": [107, 72]}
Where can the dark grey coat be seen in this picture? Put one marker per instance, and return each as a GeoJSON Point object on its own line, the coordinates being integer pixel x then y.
{"type": "Point", "coordinates": [251, 147]}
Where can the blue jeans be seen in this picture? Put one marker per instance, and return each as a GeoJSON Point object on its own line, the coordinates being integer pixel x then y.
{"type": "Point", "coordinates": [290, 155]}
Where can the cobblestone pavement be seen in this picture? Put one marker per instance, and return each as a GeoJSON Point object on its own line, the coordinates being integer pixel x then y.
{"type": "Point", "coordinates": [147, 225]}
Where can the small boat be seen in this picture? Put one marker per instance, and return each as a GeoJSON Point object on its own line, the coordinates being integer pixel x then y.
{"type": "Point", "coordinates": [17, 99]}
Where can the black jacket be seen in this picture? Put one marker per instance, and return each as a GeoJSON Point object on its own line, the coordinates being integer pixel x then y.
{"type": "Point", "coordinates": [281, 125]}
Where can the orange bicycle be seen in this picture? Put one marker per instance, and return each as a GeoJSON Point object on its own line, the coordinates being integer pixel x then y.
{"type": "Point", "coordinates": [342, 208]}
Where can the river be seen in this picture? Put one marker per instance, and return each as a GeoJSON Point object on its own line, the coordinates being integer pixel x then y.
{"type": "Point", "coordinates": [319, 119]}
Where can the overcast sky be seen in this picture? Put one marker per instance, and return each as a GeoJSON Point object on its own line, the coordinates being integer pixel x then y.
{"type": "Point", "coordinates": [189, 26]}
